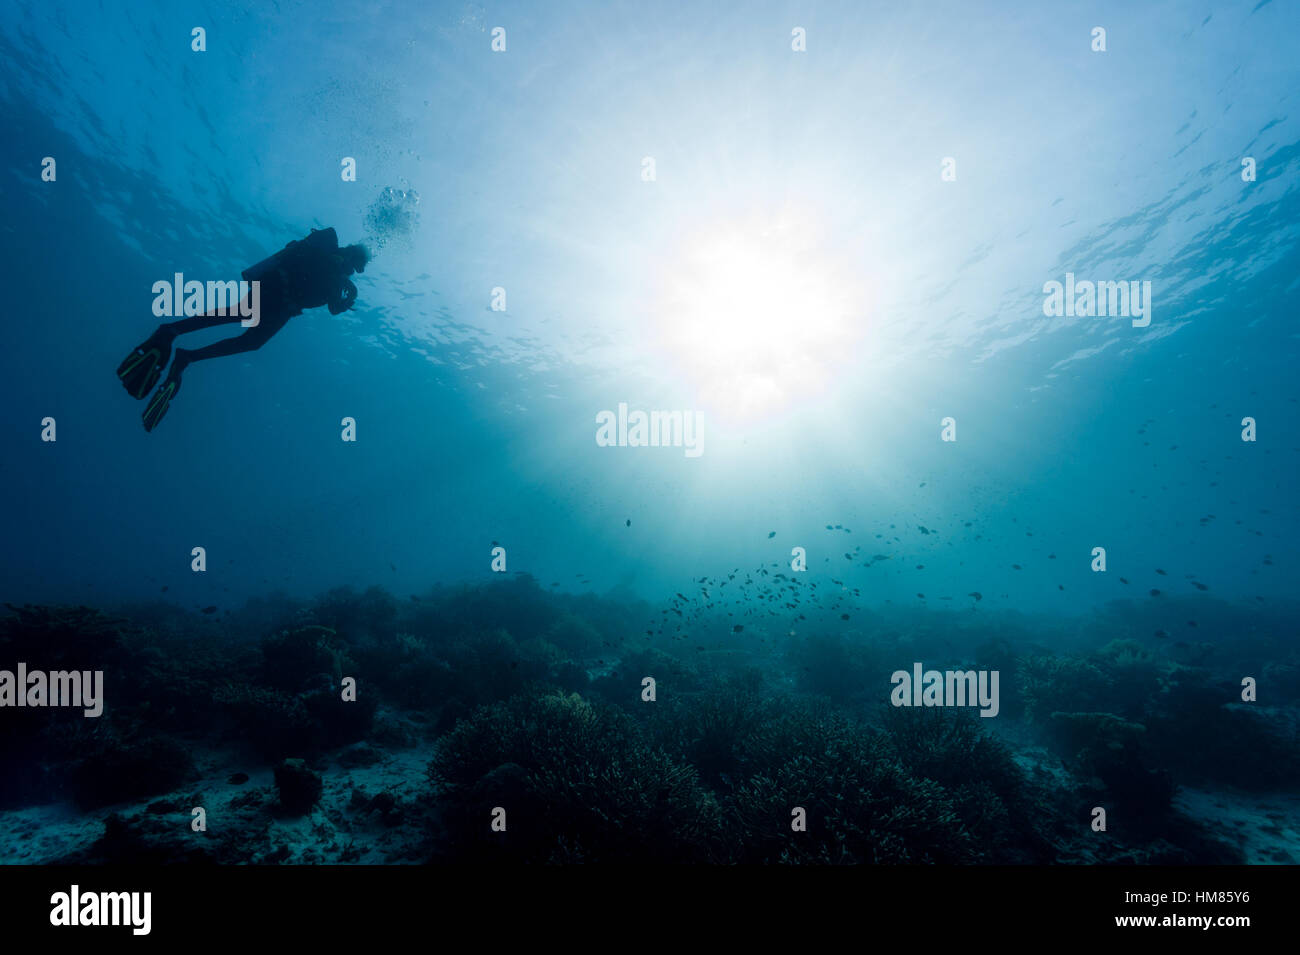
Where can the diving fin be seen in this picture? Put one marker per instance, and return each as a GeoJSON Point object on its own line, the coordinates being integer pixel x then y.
{"type": "Point", "coordinates": [162, 400]}
{"type": "Point", "coordinates": [140, 370]}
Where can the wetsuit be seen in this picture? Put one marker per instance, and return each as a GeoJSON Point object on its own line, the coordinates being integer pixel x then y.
{"type": "Point", "coordinates": [306, 273]}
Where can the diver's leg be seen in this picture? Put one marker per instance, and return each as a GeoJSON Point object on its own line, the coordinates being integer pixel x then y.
{"type": "Point", "coordinates": [254, 338]}
{"type": "Point", "coordinates": [141, 368]}
{"type": "Point", "coordinates": [251, 340]}
{"type": "Point", "coordinates": [198, 322]}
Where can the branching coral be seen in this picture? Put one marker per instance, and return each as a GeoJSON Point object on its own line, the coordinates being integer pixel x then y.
{"type": "Point", "coordinates": [1047, 684]}
{"type": "Point", "coordinates": [1136, 677]}
{"type": "Point", "coordinates": [577, 780]}
{"type": "Point", "coordinates": [295, 658]}
{"type": "Point", "coordinates": [952, 748]}
{"type": "Point", "coordinates": [710, 729]}
{"type": "Point", "coordinates": [837, 667]}
{"type": "Point", "coordinates": [575, 635]}
{"type": "Point", "coordinates": [861, 805]}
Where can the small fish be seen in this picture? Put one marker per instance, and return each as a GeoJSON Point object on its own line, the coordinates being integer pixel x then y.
{"type": "Point", "coordinates": [1123, 580]}
{"type": "Point", "coordinates": [392, 565]}
{"type": "Point", "coordinates": [1161, 572]}
{"type": "Point", "coordinates": [1060, 586]}
{"type": "Point", "coordinates": [1017, 567]}
{"type": "Point", "coordinates": [1161, 634]}
{"type": "Point", "coordinates": [976, 594]}
{"type": "Point", "coordinates": [1199, 586]}
{"type": "Point", "coordinates": [738, 628]}
{"type": "Point", "coordinates": [210, 609]}
{"type": "Point", "coordinates": [1154, 592]}
{"type": "Point", "coordinates": [771, 534]}
{"type": "Point", "coordinates": [629, 522]}
{"type": "Point", "coordinates": [844, 616]}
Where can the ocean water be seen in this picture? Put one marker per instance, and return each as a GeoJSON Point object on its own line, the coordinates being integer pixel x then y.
{"type": "Point", "coordinates": [822, 235]}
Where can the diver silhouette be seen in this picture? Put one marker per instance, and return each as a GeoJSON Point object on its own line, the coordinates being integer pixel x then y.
{"type": "Point", "coordinates": [306, 273]}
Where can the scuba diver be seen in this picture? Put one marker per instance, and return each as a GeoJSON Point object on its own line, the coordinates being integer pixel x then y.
{"type": "Point", "coordinates": [306, 273]}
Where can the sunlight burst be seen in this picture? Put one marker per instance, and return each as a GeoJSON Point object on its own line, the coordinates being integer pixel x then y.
{"type": "Point", "coordinates": [758, 317]}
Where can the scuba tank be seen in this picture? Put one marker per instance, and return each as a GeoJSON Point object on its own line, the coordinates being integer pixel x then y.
{"type": "Point", "coordinates": [324, 240]}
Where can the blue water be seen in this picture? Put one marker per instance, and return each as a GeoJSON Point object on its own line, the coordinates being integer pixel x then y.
{"type": "Point", "coordinates": [901, 299]}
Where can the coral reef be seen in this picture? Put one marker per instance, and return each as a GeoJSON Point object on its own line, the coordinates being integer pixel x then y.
{"type": "Point", "coordinates": [503, 695]}
{"type": "Point", "coordinates": [862, 806]}
{"type": "Point", "coordinates": [578, 781]}
{"type": "Point", "coordinates": [1048, 683]}
{"type": "Point", "coordinates": [1114, 751]}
